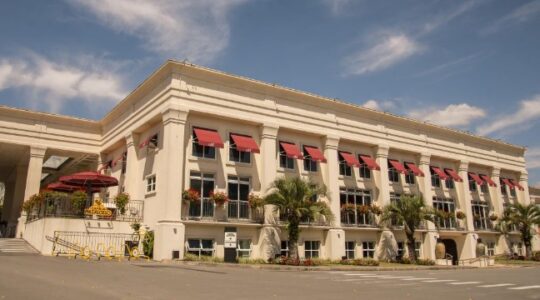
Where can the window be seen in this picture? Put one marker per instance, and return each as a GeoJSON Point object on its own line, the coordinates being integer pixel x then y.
{"type": "Point", "coordinates": [201, 247]}
{"type": "Point", "coordinates": [344, 168]}
{"type": "Point", "coordinates": [435, 179]}
{"type": "Point", "coordinates": [285, 161]}
{"type": "Point", "coordinates": [447, 208]}
{"type": "Point", "coordinates": [409, 176]}
{"type": "Point", "coordinates": [450, 183]}
{"type": "Point", "coordinates": [204, 184]}
{"type": "Point", "coordinates": [513, 192]}
{"type": "Point", "coordinates": [124, 162]}
{"type": "Point", "coordinates": [400, 250]}
{"type": "Point", "coordinates": [503, 187]}
{"type": "Point", "coordinates": [238, 193]}
{"type": "Point", "coordinates": [243, 248]}
{"type": "Point", "coordinates": [480, 212]}
{"type": "Point", "coordinates": [491, 248]}
{"type": "Point", "coordinates": [355, 207]}
{"type": "Point", "coordinates": [55, 162]}
{"type": "Point", "coordinates": [199, 150]}
{"type": "Point", "coordinates": [365, 172]}
{"type": "Point", "coordinates": [418, 249]}
{"type": "Point", "coordinates": [236, 155]}
{"type": "Point", "coordinates": [151, 184]}
{"type": "Point", "coordinates": [484, 187]}
{"type": "Point", "coordinates": [472, 184]}
{"type": "Point", "coordinates": [368, 249]}
{"type": "Point", "coordinates": [284, 251]}
{"type": "Point", "coordinates": [349, 249]}
{"type": "Point", "coordinates": [309, 164]}
{"type": "Point", "coordinates": [393, 174]}
{"type": "Point", "coordinates": [311, 249]}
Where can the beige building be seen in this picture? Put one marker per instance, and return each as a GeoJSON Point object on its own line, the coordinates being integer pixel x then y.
{"type": "Point", "coordinates": [188, 126]}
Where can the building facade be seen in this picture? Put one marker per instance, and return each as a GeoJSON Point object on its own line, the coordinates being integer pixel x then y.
{"type": "Point", "coordinates": [189, 127]}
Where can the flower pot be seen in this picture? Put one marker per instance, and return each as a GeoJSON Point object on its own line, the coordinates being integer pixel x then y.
{"type": "Point", "coordinates": [440, 250]}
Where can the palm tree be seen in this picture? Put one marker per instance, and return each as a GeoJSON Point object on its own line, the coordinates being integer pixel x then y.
{"type": "Point", "coordinates": [410, 211]}
{"type": "Point", "coordinates": [294, 199]}
{"type": "Point", "coordinates": [524, 217]}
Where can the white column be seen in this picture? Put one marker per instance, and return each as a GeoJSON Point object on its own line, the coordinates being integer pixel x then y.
{"type": "Point", "coordinates": [335, 238]}
{"type": "Point", "coordinates": [524, 182]}
{"type": "Point", "coordinates": [465, 204]}
{"type": "Point", "coordinates": [33, 180]}
{"type": "Point", "coordinates": [268, 156]}
{"type": "Point", "coordinates": [269, 237]}
{"type": "Point", "coordinates": [430, 239]}
{"type": "Point", "coordinates": [170, 231]}
{"type": "Point", "coordinates": [381, 181]}
{"type": "Point", "coordinates": [132, 182]}
{"type": "Point", "coordinates": [495, 192]}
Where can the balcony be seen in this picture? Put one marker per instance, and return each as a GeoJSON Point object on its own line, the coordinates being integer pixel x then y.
{"type": "Point", "coordinates": [232, 212]}
{"type": "Point", "coordinates": [352, 219]}
{"type": "Point", "coordinates": [60, 208]}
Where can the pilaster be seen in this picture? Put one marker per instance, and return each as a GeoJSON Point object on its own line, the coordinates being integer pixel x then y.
{"type": "Point", "coordinates": [524, 182]}
{"type": "Point", "coordinates": [268, 156]}
{"type": "Point", "coordinates": [381, 177]}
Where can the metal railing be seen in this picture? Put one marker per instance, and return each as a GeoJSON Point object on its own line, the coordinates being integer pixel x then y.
{"type": "Point", "coordinates": [62, 208]}
{"type": "Point", "coordinates": [93, 244]}
{"type": "Point", "coordinates": [350, 219]}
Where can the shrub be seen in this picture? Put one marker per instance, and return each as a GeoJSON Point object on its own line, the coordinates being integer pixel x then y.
{"type": "Point", "coordinates": [34, 201]}
{"type": "Point", "coordinates": [251, 261]}
{"type": "Point", "coordinates": [365, 262]}
{"type": "Point", "coordinates": [375, 209]}
{"type": "Point", "coordinates": [148, 244]}
{"type": "Point", "coordinates": [121, 200]}
{"type": "Point", "coordinates": [460, 215]}
{"type": "Point", "coordinates": [78, 201]}
{"type": "Point", "coordinates": [425, 262]}
{"type": "Point", "coordinates": [204, 258]}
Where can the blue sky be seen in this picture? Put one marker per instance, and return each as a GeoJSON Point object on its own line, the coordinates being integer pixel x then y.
{"type": "Point", "coordinates": [471, 65]}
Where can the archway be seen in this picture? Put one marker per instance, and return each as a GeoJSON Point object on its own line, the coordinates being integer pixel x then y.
{"type": "Point", "coordinates": [451, 249]}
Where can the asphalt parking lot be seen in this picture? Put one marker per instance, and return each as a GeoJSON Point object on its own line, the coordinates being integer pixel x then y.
{"type": "Point", "coordinates": [39, 277]}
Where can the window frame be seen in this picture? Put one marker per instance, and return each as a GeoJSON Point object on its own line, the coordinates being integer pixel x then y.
{"type": "Point", "coordinates": [201, 249]}
{"type": "Point", "coordinates": [435, 178]}
{"type": "Point", "coordinates": [195, 144]}
{"type": "Point", "coordinates": [150, 184]}
{"type": "Point", "coordinates": [483, 222]}
{"type": "Point", "coordinates": [241, 252]}
{"type": "Point", "coordinates": [285, 250]}
{"type": "Point", "coordinates": [350, 253]}
{"type": "Point", "coordinates": [285, 162]}
{"type": "Point", "coordinates": [368, 249]}
{"type": "Point", "coordinates": [393, 174]}
{"type": "Point", "coordinates": [310, 165]}
{"type": "Point", "coordinates": [410, 178]}
{"type": "Point", "coordinates": [360, 197]}
{"type": "Point", "coordinates": [242, 155]}
{"type": "Point", "coordinates": [314, 252]}
{"type": "Point", "coordinates": [242, 204]}
{"type": "Point", "coordinates": [344, 169]}
{"type": "Point", "coordinates": [206, 206]}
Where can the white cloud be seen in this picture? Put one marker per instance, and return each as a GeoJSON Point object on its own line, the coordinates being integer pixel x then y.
{"type": "Point", "coordinates": [382, 105]}
{"type": "Point", "coordinates": [42, 80]}
{"type": "Point", "coordinates": [196, 30]}
{"type": "Point", "coordinates": [522, 14]}
{"type": "Point", "coordinates": [529, 111]}
{"type": "Point", "coordinates": [384, 52]}
{"type": "Point", "coordinates": [532, 157]}
{"type": "Point", "coordinates": [447, 16]}
{"type": "Point", "coordinates": [336, 6]}
{"type": "Point", "coordinates": [452, 115]}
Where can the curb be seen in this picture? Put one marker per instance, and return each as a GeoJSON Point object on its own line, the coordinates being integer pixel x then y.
{"type": "Point", "coordinates": [319, 268]}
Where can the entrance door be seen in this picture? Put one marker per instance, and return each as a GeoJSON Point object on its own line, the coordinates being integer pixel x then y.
{"type": "Point", "coordinates": [451, 249]}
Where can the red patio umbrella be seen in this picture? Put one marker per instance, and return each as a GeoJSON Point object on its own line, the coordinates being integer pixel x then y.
{"type": "Point", "coordinates": [62, 187]}
{"type": "Point", "coordinates": [89, 180]}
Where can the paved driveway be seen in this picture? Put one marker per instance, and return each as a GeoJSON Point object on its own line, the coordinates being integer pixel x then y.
{"type": "Point", "coordinates": [38, 277]}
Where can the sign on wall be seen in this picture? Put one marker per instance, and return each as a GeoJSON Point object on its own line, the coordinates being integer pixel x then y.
{"type": "Point", "coordinates": [230, 240]}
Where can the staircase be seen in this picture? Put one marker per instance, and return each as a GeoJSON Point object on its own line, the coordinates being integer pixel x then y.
{"type": "Point", "coordinates": [16, 247]}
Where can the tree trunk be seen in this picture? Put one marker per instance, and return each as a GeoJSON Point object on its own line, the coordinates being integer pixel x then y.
{"type": "Point", "coordinates": [410, 246]}
{"type": "Point", "coordinates": [294, 231]}
{"type": "Point", "coordinates": [526, 237]}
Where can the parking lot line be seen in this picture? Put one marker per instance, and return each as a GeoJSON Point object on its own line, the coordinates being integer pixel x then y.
{"type": "Point", "coordinates": [418, 278]}
{"type": "Point", "coordinates": [496, 285]}
{"type": "Point", "coordinates": [439, 280]}
{"type": "Point", "coordinates": [465, 282]}
{"type": "Point", "coordinates": [528, 287]}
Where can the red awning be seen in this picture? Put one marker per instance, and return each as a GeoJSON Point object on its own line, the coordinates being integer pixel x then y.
{"type": "Point", "coordinates": [291, 150]}
{"type": "Point", "coordinates": [488, 180]}
{"type": "Point", "coordinates": [507, 182]}
{"type": "Point", "coordinates": [370, 162]}
{"type": "Point", "coordinates": [398, 166]}
{"type": "Point", "coordinates": [153, 140]}
{"type": "Point", "coordinates": [350, 159]}
{"type": "Point", "coordinates": [245, 143]}
{"type": "Point", "coordinates": [62, 187]}
{"type": "Point", "coordinates": [439, 172]}
{"type": "Point", "coordinates": [315, 154]}
{"type": "Point", "coordinates": [89, 179]}
{"type": "Point", "coordinates": [476, 178]}
{"type": "Point", "coordinates": [207, 137]}
{"type": "Point", "coordinates": [416, 171]}
{"type": "Point", "coordinates": [453, 174]}
{"type": "Point", "coordinates": [516, 183]}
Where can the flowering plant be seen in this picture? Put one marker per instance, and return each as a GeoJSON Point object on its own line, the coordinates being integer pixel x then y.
{"type": "Point", "coordinates": [191, 196]}
{"type": "Point", "coordinates": [376, 209]}
{"type": "Point", "coordinates": [363, 209]}
{"type": "Point", "coordinates": [347, 207]}
{"type": "Point", "coordinates": [219, 198]}
{"type": "Point", "coordinates": [460, 215]}
{"type": "Point", "coordinates": [255, 201]}
{"type": "Point", "coordinates": [493, 217]}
